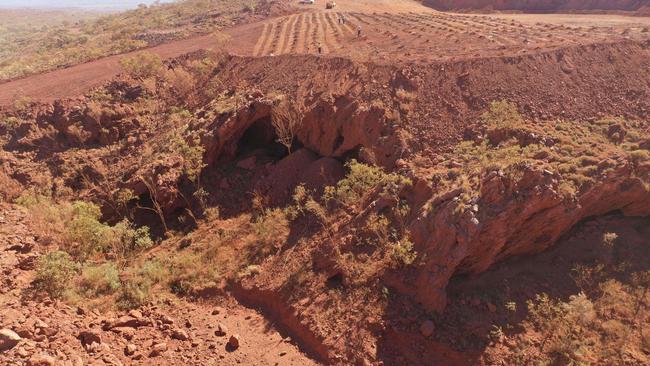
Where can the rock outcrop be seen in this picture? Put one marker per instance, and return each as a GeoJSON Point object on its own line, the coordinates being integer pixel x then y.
{"type": "Point", "coordinates": [510, 218]}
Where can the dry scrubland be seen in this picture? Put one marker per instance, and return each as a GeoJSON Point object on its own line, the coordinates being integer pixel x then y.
{"type": "Point", "coordinates": [50, 40]}
{"type": "Point", "coordinates": [457, 209]}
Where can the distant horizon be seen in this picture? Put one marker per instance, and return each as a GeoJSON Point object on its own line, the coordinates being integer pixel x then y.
{"type": "Point", "coordinates": [76, 4]}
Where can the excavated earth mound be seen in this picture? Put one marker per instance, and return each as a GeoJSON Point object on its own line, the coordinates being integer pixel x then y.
{"type": "Point", "coordinates": [541, 5]}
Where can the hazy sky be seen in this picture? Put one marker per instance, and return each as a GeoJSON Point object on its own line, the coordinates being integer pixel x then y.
{"type": "Point", "coordinates": [84, 4]}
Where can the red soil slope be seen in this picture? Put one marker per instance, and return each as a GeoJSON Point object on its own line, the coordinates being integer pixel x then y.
{"type": "Point", "coordinates": [539, 5]}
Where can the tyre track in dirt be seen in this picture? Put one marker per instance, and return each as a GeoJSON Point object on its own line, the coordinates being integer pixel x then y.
{"type": "Point", "coordinates": [76, 80]}
{"type": "Point", "coordinates": [268, 39]}
{"type": "Point", "coordinates": [285, 31]}
{"type": "Point", "coordinates": [261, 41]}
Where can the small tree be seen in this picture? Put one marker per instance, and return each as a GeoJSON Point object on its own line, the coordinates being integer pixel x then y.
{"type": "Point", "coordinates": [286, 119]}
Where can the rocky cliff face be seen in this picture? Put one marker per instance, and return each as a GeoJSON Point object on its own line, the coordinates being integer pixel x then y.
{"type": "Point", "coordinates": [511, 218]}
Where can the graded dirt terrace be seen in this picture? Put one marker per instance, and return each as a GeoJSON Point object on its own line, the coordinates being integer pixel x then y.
{"type": "Point", "coordinates": [424, 37]}
{"type": "Point", "coordinates": [403, 32]}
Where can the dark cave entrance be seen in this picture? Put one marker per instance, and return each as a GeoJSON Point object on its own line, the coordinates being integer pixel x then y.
{"type": "Point", "coordinates": [260, 137]}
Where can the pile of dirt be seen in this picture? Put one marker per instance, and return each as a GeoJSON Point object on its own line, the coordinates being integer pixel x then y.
{"type": "Point", "coordinates": [541, 5]}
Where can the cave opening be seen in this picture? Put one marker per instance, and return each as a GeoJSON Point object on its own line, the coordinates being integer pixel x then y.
{"type": "Point", "coordinates": [261, 138]}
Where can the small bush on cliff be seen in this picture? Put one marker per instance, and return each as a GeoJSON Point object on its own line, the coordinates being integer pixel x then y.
{"type": "Point", "coordinates": [55, 272]}
{"type": "Point", "coordinates": [362, 178]}
{"type": "Point", "coordinates": [304, 204]}
{"type": "Point", "coordinates": [403, 253]}
{"type": "Point", "coordinates": [10, 123]}
{"type": "Point", "coordinates": [143, 65]}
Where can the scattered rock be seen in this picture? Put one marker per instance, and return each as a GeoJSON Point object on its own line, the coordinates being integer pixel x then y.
{"type": "Point", "coordinates": [427, 328]}
{"type": "Point", "coordinates": [221, 330]}
{"type": "Point", "coordinates": [125, 332]}
{"type": "Point", "coordinates": [136, 314]}
{"type": "Point", "coordinates": [88, 337]}
{"type": "Point", "coordinates": [8, 339]}
{"type": "Point", "coordinates": [41, 360]}
{"type": "Point", "coordinates": [130, 349]}
{"type": "Point", "coordinates": [158, 349]}
{"type": "Point", "coordinates": [180, 334]}
{"type": "Point", "coordinates": [233, 342]}
{"type": "Point", "coordinates": [128, 322]}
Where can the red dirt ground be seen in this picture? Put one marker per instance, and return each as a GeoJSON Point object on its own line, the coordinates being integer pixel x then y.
{"type": "Point", "coordinates": [401, 32]}
{"type": "Point", "coordinates": [261, 342]}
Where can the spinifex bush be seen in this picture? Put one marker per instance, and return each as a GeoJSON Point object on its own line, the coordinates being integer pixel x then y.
{"type": "Point", "coordinates": [77, 227]}
{"type": "Point", "coordinates": [99, 280]}
{"type": "Point", "coordinates": [87, 236]}
{"type": "Point", "coordinates": [361, 178]}
{"type": "Point", "coordinates": [502, 114]}
{"type": "Point", "coordinates": [55, 272]}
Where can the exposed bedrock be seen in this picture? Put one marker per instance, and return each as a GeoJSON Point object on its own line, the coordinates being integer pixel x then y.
{"type": "Point", "coordinates": [512, 218]}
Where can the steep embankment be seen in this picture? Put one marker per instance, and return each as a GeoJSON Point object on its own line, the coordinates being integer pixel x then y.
{"type": "Point", "coordinates": [540, 5]}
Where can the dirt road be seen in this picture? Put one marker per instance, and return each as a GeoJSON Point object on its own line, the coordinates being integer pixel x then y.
{"type": "Point", "coordinates": [75, 80]}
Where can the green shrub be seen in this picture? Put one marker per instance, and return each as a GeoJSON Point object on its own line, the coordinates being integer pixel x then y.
{"type": "Point", "coordinates": [189, 273]}
{"type": "Point", "coordinates": [127, 239]}
{"type": "Point", "coordinates": [502, 114]}
{"type": "Point", "coordinates": [403, 253]}
{"type": "Point", "coordinates": [143, 65]}
{"type": "Point", "coordinates": [99, 280]}
{"type": "Point", "coordinates": [134, 294]}
{"type": "Point", "coordinates": [87, 236]}
{"type": "Point", "coordinates": [360, 179]}
{"type": "Point", "coordinates": [271, 228]}
{"type": "Point", "coordinates": [135, 291]}
{"type": "Point", "coordinates": [77, 225]}
{"type": "Point", "coordinates": [55, 272]}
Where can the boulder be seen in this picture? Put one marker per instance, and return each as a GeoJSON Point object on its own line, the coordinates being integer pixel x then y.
{"type": "Point", "coordinates": [130, 349]}
{"type": "Point", "coordinates": [158, 349]}
{"type": "Point", "coordinates": [221, 330]}
{"type": "Point", "coordinates": [180, 334]}
{"type": "Point", "coordinates": [233, 342]}
{"type": "Point", "coordinates": [88, 337]}
{"type": "Point", "coordinates": [41, 360]}
{"type": "Point", "coordinates": [8, 339]}
{"type": "Point", "coordinates": [427, 328]}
